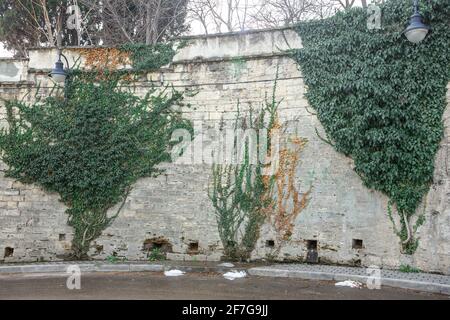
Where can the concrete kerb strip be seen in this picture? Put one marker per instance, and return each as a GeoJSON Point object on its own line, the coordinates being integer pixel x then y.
{"type": "Point", "coordinates": [110, 267]}
{"type": "Point", "coordinates": [327, 276]}
{"type": "Point", "coordinates": [84, 267]}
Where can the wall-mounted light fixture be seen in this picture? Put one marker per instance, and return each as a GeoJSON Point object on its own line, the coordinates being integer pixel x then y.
{"type": "Point", "coordinates": [416, 30]}
{"type": "Point", "coordinates": [59, 74]}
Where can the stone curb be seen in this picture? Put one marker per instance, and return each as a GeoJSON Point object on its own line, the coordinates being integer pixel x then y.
{"type": "Point", "coordinates": [109, 267]}
{"type": "Point", "coordinates": [84, 267]}
{"type": "Point", "coordinates": [197, 269]}
{"type": "Point", "coordinates": [326, 276]}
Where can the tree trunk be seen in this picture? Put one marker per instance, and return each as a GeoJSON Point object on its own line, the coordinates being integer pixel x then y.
{"type": "Point", "coordinates": [148, 31]}
{"type": "Point", "coordinates": [48, 25]}
{"type": "Point", "coordinates": [151, 36]}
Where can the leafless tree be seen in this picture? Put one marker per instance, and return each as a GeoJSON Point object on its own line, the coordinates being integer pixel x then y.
{"type": "Point", "coordinates": [133, 21]}
{"type": "Point", "coordinates": [220, 15]}
{"type": "Point", "coordinates": [37, 11]}
{"type": "Point", "coordinates": [324, 9]}
{"type": "Point", "coordinates": [272, 13]}
{"type": "Point", "coordinates": [347, 4]}
{"type": "Point", "coordinates": [232, 15]}
{"type": "Point", "coordinates": [197, 11]}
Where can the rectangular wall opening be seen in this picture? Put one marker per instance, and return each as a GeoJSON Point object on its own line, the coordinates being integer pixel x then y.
{"type": "Point", "coordinates": [311, 244]}
{"type": "Point", "coordinates": [270, 243]}
{"type": "Point", "coordinates": [9, 252]}
{"type": "Point", "coordinates": [357, 244]}
{"type": "Point", "coordinates": [193, 247]}
{"type": "Point", "coordinates": [312, 255]}
{"type": "Point", "coordinates": [159, 243]}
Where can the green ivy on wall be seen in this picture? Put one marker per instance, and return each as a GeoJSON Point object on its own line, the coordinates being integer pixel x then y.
{"type": "Point", "coordinates": [90, 147]}
{"type": "Point", "coordinates": [240, 192]}
{"type": "Point", "coordinates": [381, 98]}
{"type": "Point", "coordinates": [150, 57]}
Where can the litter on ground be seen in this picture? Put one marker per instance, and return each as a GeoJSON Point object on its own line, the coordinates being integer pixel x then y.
{"type": "Point", "coordinates": [235, 275]}
{"type": "Point", "coordinates": [173, 273]}
{"type": "Point", "coordinates": [349, 283]}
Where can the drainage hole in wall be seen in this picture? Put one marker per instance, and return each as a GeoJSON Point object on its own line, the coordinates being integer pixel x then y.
{"type": "Point", "coordinates": [357, 244]}
{"type": "Point", "coordinates": [311, 244]}
{"type": "Point", "coordinates": [312, 255]}
{"type": "Point", "coordinates": [193, 247]}
{"type": "Point", "coordinates": [270, 243]}
{"type": "Point", "coordinates": [9, 252]}
{"type": "Point", "coordinates": [160, 244]}
{"type": "Point", "coordinates": [62, 237]}
{"type": "Point", "coordinates": [157, 245]}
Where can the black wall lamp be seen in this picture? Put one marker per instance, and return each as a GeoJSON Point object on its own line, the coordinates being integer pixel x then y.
{"type": "Point", "coordinates": [416, 30]}
{"type": "Point", "coordinates": [59, 74]}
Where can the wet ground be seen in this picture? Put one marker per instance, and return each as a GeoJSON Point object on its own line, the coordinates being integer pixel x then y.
{"type": "Point", "coordinates": [191, 287]}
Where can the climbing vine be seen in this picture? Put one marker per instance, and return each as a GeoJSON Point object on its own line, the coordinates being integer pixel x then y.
{"type": "Point", "coordinates": [150, 57]}
{"type": "Point", "coordinates": [141, 57]}
{"type": "Point", "coordinates": [240, 192]}
{"type": "Point", "coordinates": [381, 99]}
{"type": "Point", "coordinates": [90, 147]}
{"type": "Point", "coordinates": [105, 58]}
{"type": "Point", "coordinates": [289, 203]}
{"type": "Point", "coordinates": [246, 194]}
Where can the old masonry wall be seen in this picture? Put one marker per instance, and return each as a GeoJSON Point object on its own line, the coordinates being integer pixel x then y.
{"type": "Point", "coordinates": [175, 207]}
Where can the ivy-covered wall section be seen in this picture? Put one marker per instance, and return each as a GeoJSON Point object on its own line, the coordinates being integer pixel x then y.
{"type": "Point", "coordinates": [381, 98]}
{"type": "Point", "coordinates": [90, 146]}
{"type": "Point", "coordinates": [91, 143]}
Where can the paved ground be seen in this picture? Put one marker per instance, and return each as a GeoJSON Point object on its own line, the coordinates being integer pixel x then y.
{"type": "Point", "coordinates": [347, 271]}
{"type": "Point", "coordinates": [191, 286]}
{"type": "Point", "coordinates": [416, 281]}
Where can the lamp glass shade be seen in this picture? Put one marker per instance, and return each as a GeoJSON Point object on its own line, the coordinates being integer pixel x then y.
{"type": "Point", "coordinates": [59, 78]}
{"type": "Point", "coordinates": [416, 35]}
{"type": "Point", "coordinates": [417, 30]}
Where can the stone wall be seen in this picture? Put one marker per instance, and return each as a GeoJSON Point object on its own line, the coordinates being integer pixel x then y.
{"type": "Point", "coordinates": [174, 207]}
{"type": "Point", "coordinates": [13, 70]}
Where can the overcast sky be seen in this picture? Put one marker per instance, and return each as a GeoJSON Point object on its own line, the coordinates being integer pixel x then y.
{"type": "Point", "coordinates": [3, 52]}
